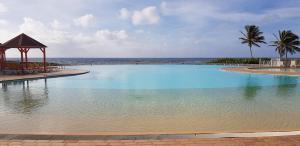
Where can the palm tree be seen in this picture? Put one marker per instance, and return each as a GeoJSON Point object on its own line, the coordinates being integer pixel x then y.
{"type": "Point", "coordinates": [287, 42]}
{"type": "Point", "coordinates": [253, 36]}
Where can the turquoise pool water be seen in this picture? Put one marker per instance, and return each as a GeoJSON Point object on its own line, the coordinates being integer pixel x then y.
{"type": "Point", "coordinates": [151, 98]}
{"type": "Point", "coordinates": [136, 77]}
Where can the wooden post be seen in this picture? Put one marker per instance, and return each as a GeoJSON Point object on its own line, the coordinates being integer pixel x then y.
{"type": "Point", "coordinates": [2, 60]}
{"type": "Point", "coordinates": [22, 58]}
{"type": "Point", "coordinates": [26, 59]}
{"type": "Point", "coordinates": [4, 54]}
{"type": "Point", "coordinates": [44, 58]}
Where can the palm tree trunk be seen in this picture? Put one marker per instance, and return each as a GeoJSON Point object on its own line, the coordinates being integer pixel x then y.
{"type": "Point", "coordinates": [251, 51]}
{"type": "Point", "coordinates": [286, 63]}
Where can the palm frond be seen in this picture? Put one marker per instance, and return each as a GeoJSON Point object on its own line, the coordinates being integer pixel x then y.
{"type": "Point", "coordinates": [287, 42]}
{"type": "Point", "coordinates": [252, 36]}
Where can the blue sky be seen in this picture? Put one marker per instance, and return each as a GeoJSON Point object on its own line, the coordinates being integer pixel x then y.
{"type": "Point", "coordinates": [145, 28]}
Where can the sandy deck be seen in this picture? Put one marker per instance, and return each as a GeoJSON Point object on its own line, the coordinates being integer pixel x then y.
{"type": "Point", "coordinates": [66, 72]}
{"type": "Point", "coordinates": [262, 141]}
{"type": "Point", "coordinates": [257, 71]}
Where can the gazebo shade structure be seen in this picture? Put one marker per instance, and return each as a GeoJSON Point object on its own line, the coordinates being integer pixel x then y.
{"type": "Point", "coordinates": [2, 56]}
{"type": "Point", "coordinates": [23, 43]}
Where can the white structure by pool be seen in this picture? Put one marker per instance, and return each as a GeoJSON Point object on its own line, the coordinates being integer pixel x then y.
{"type": "Point", "coordinates": [277, 62]}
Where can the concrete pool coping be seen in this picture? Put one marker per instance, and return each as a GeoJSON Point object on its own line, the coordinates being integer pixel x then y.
{"type": "Point", "coordinates": [193, 139]}
{"type": "Point", "coordinates": [142, 136]}
{"type": "Point", "coordinates": [61, 73]}
{"type": "Point", "coordinates": [263, 141]}
{"type": "Point", "coordinates": [257, 70]}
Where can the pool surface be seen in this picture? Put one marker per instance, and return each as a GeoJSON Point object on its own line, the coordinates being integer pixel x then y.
{"type": "Point", "coordinates": [151, 99]}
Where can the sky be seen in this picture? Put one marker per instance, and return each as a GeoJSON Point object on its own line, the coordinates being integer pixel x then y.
{"type": "Point", "coordinates": [146, 28]}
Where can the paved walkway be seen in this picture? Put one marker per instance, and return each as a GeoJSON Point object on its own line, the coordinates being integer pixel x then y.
{"type": "Point", "coordinates": [262, 141]}
{"type": "Point", "coordinates": [65, 72]}
{"type": "Point", "coordinates": [257, 71]}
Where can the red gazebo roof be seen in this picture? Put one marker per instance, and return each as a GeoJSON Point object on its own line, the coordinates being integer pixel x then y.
{"type": "Point", "coordinates": [23, 41]}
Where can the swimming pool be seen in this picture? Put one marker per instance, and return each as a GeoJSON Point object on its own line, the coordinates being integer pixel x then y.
{"type": "Point", "coordinates": [151, 99]}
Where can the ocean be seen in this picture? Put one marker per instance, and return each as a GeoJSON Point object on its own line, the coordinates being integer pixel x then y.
{"type": "Point", "coordinates": [111, 61]}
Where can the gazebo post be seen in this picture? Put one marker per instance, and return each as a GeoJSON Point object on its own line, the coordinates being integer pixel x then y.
{"type": "Point", "coordinates": [22, 58]}
{"type": "Point", "coordinates": [44, 57]}
{"type": "Point", "coordinates": [2, 60]}
{"type": "Point", "coordinates": [26, 59]}
{"type": "Point", "coordinates": [4, 55]}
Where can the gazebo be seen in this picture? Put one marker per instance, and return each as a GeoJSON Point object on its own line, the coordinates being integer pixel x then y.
{"type": "Point", "coordinates": [23, 43]}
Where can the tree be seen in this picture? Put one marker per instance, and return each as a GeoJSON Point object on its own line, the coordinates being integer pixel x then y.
{"type": "Point", "coordinates": [286, 42]}
{"type": "Point", "coordinates": [252, 37]}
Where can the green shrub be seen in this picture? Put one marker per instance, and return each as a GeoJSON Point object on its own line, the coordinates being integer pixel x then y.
{"type": "Point", "coordinates": [237, 60]}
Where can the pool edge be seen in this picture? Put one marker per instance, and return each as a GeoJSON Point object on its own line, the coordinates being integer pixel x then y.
{"type": "Point", "coordinates": [145, 136]}
{"type": "Point", "coordinates": [254, 70]}
{"type": "Point", "coordinates": [62, 73]}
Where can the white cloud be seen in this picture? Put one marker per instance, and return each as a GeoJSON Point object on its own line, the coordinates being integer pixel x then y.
{"type": "Point", "coordinates": [58, 35]}
{"type": "Point", "coordinates": [191, 13]}
{"type": "Point", "coordinates": [85, 20]}
{"type": "Point", "coordinates": [59, 25]}
{"type": "Point", "coordinates": [148, 15]}
{"type": "Point", "coordinates": [124, 13]}
{"type": "Point", "coordinates": [184, 19]}
{"type": "Point", "coordinates": [2, 8]}
{"type": "Point", "coordinates": [43, 32]}
{"type": "Point", "coordinates": [111, 35]}
{"type": "Point", "coordinates": [59, 39]}
{"type": "Point", "coordinates": [103, 38]}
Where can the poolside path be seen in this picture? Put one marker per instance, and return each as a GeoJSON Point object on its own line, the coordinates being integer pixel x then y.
{"type": "Point", "coordinates": [257, 71]}
{"type": "Point", "coordinates": [262, 141]}
{"type": "Point", "coordinates": [65, 72]}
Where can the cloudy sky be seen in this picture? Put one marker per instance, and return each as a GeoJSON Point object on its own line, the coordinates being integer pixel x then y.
{"type": "Point", "coordinates": [145, 28]}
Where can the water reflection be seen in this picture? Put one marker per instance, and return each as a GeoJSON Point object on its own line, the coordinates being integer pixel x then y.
{"type": "Point", "coordinates": [252, 88]}
{"type": "Point", "coordinates": [286, 85]}
{"type": "Point", "coordinates": [22, 98]}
